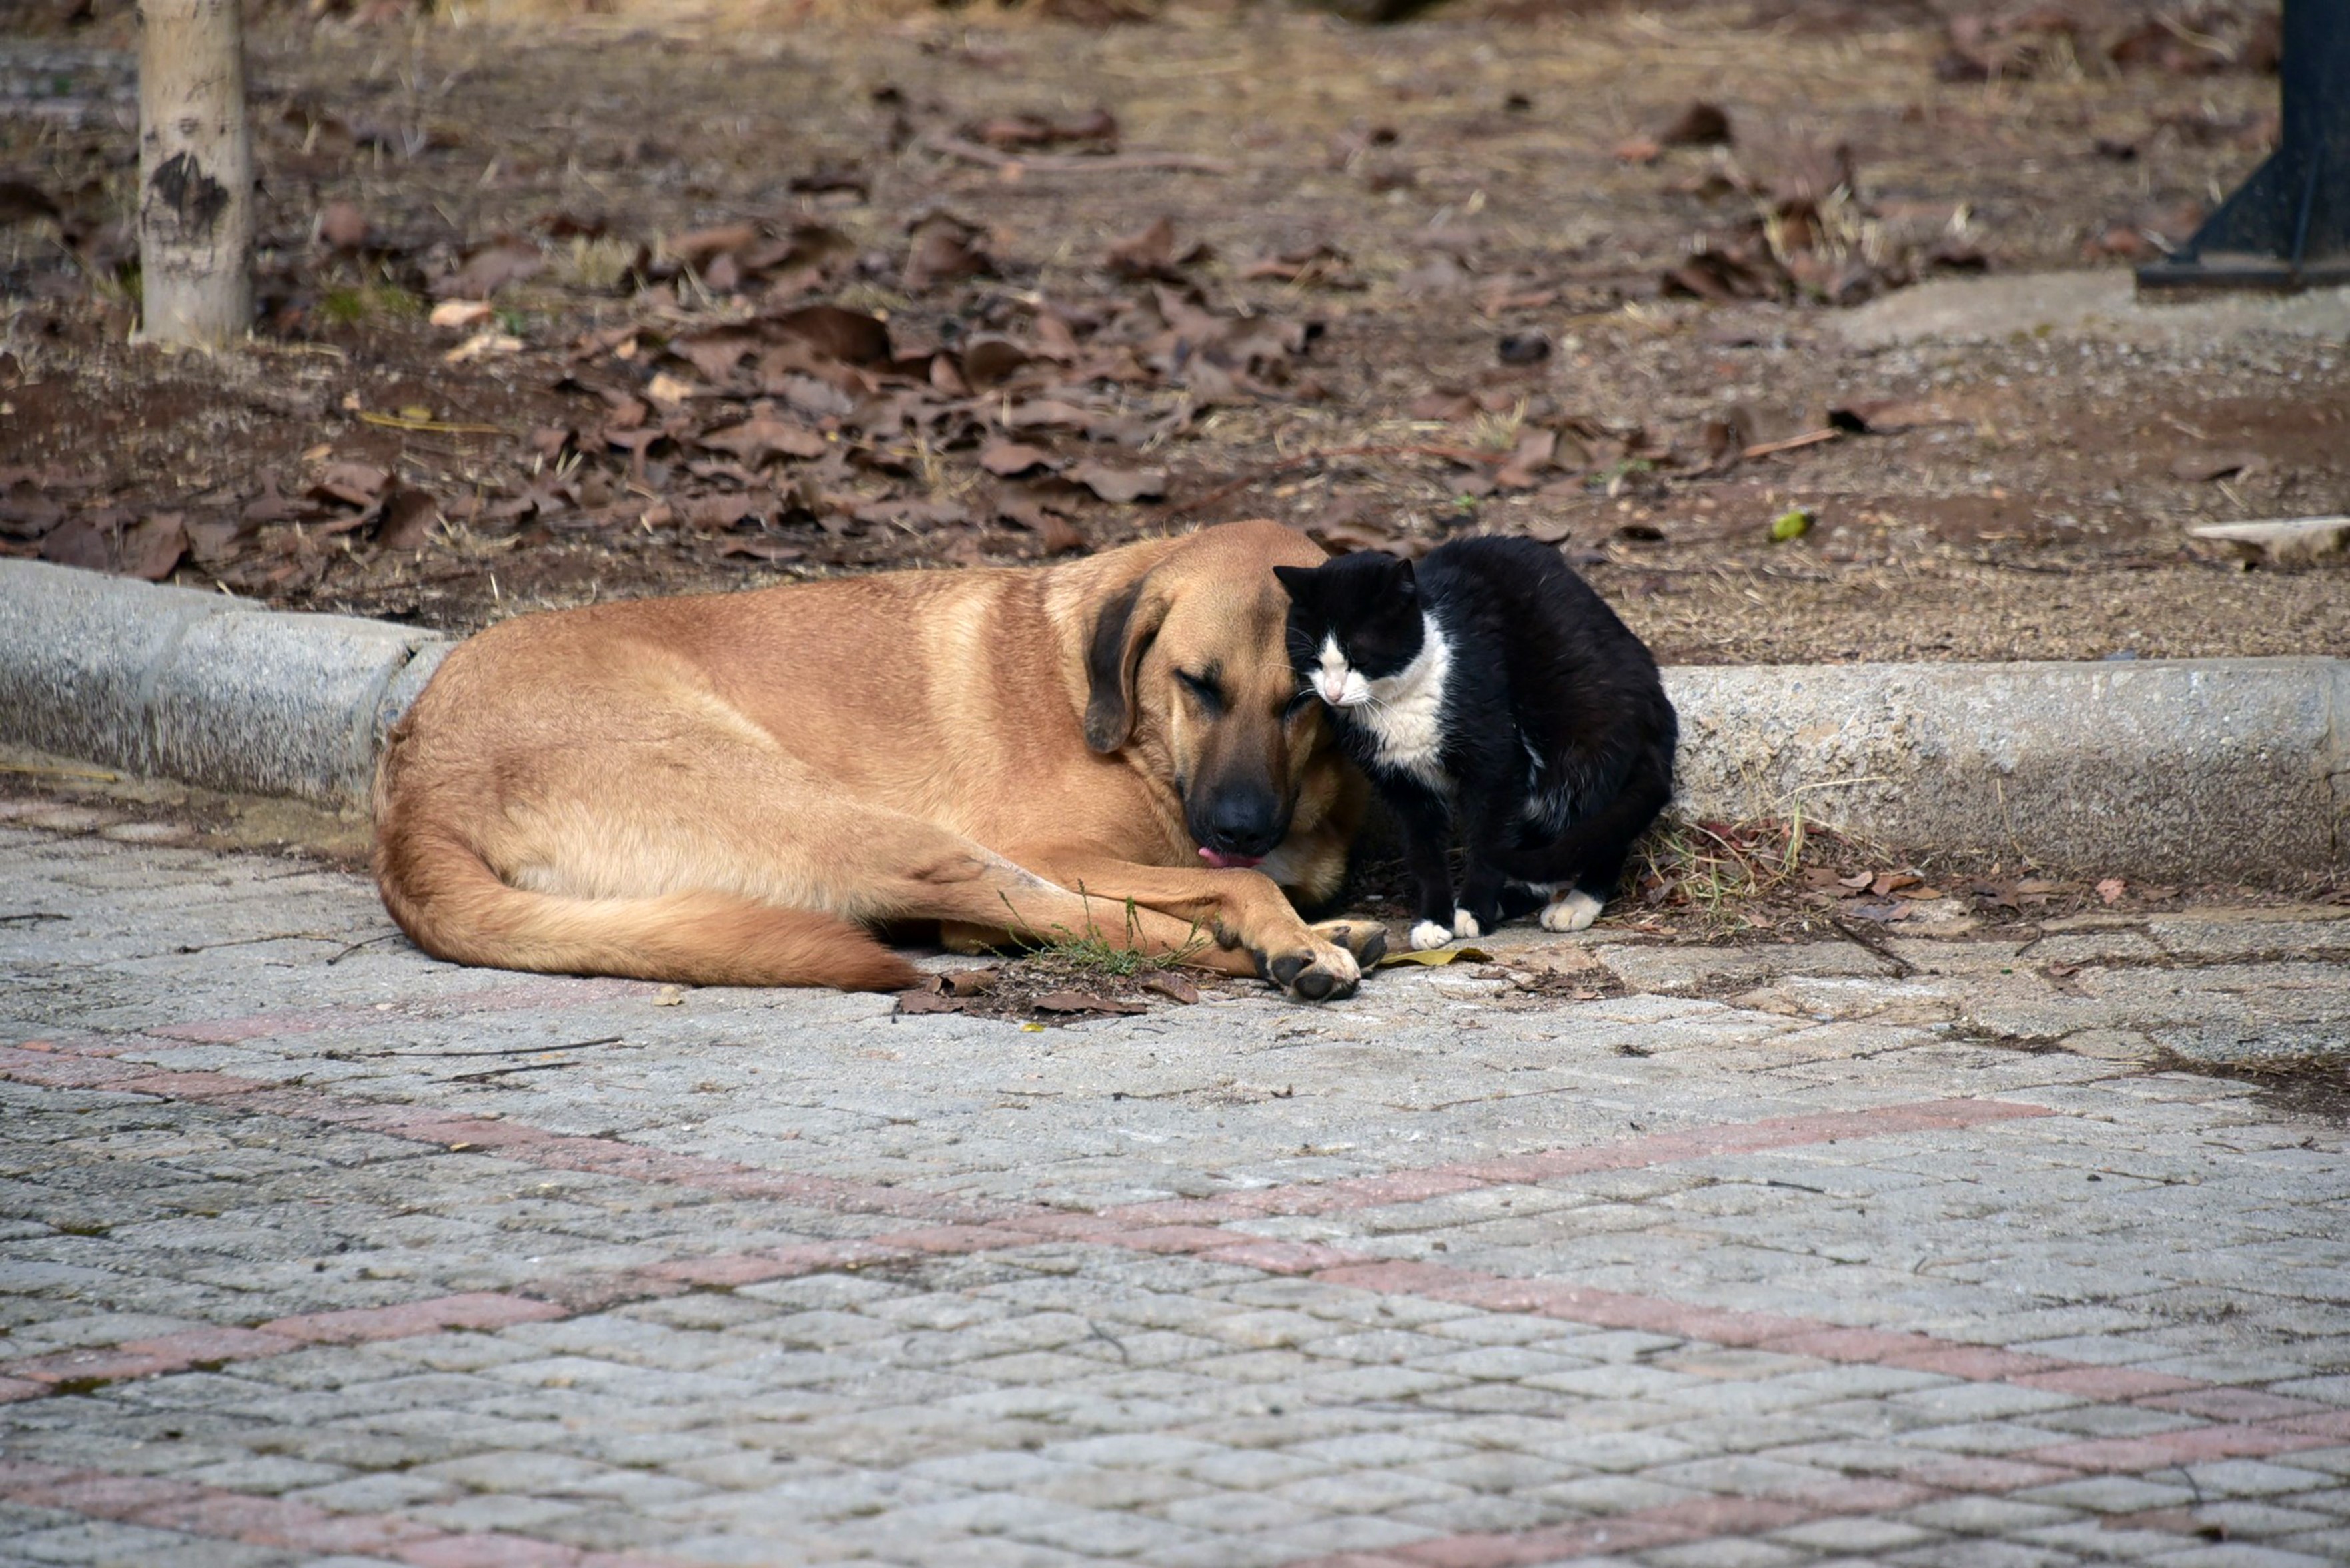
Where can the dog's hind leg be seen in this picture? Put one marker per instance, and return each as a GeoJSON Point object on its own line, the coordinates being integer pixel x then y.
{"type": "Point", "coordinates": [725, 862]}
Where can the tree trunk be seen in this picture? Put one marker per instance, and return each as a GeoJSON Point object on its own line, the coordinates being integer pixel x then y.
{"type": "Point", "coordinates": [195, 173]}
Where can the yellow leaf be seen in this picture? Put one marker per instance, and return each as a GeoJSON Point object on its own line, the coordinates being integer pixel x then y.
{"type": "Point", "coordinates": [401, 422]}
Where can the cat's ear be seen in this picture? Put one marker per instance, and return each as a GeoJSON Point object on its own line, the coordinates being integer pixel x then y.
{"type": "Point", "coordinates": [1296, 581]}
{"type": "Point", "coordinates": [1128, 623]}
{"type": "Point", "coordinates": [1406, 583]}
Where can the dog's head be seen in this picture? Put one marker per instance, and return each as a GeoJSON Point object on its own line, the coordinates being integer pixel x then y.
{"type": "Point", "coordinates": [1187, 667]}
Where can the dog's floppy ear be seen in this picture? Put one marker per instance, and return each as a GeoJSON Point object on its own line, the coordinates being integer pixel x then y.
{"type": "Point", "coordinates": [1128, 622]}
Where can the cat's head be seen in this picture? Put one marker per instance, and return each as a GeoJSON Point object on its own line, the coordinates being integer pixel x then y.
{"type": "Point", "coordinates": [1352, 621]}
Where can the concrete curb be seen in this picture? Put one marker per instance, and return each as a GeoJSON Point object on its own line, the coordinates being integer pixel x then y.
{"type": "Point", "coordinates": [2169, 769]}
{"type": "Point", "coordinates": [201, 686]}
{"type": "Point", "coordinates": [2190, 769]}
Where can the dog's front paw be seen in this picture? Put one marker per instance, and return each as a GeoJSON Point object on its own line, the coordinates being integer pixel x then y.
{"type": "Point", "coordinates": [1321, 974]}
{"type": "Point", "coordinates": [1427, 934]}
{"type": "Point", "coordinates": [1366, 940]}
{"type": "Point", "coordinates": [1574, 912]}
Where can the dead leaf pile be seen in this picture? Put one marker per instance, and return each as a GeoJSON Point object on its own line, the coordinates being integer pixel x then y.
{"type": "Point", "coordinates": [268, 543]}
{"type": "Point", "coordinates": [1089, 131]}
{"type": "Point", "coordinates": [2073, 40]}
{"type": "Point", "coordinates": [1811, 234]}
{"type": "Point", "coordinates": [1039, 986]}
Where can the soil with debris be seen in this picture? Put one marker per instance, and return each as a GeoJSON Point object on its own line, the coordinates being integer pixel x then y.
{"type": "Point", "coordinates": [585, 307]}
{"type": "Point", "coordinates": [2314, 1084]}
{"type": "Point", "coordinates": [1061, 984]}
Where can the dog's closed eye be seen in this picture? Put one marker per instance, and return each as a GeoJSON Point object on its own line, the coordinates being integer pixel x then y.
{"type": "Point", "coordinates": [1210, 695]}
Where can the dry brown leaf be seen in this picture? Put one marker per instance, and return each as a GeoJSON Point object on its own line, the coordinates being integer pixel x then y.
{"type": "Point", "coordinates": [153, 545]}
{"type": "Point", "coordinates": [1173, 987]}
{"type": "Point", "coordinates": [762, 436]}
{"type": "Point", "coordinates": [1151, 254]}
{"type": "Point", "coordinates": [2197, 466]}
{"type": "Point", "coordinates": [462, 313]}
{"type": "Point", "coordinates": [409, 515]}
{"type": "Point", "coordinates": [927, 998]}
{"type": "Point", "coordinates": [697, 247]}
{"type": "Point", "coordinates": [343, 227]}
{"type": "Point", "coordinates": [491, 268]}
{"type": "Point", "coordinates": [1006, 459]}
{"type": "Point", "coordinates": [1084, 1001]}
{"type": "Point", "coordinates": [1120, 485]}
{"type": "Point", "coordinates": [353, 484]}
{"type": "Point", "coordinates": [851, 336]}
{"type": "Point", "coordinates": [944, 248]}
{"type": "Point", "coordinates": [990, 362]}
{"type": "Point", "coordinates": [1701, 124]}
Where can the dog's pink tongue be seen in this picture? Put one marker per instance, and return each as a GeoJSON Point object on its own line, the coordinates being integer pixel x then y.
{"type": "Point", "coordinates": [1224, 861]}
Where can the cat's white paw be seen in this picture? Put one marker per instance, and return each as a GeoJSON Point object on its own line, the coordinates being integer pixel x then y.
{"type": "Point", "coordinates": [1465, 926]}
{"type": "Point", "coordinates": [1427, 934]}
{"type": "Point", "coordinates": [1574, 912]}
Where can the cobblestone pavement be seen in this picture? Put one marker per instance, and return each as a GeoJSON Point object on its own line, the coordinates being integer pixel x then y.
{"type": "Point", "coordinates": [313, 1250]}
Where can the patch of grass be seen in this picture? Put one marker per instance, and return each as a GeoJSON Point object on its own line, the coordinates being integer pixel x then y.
{"type": "Point", "coordinates": [1094, 952]}
{"type": "Point", "coordinates": [1499, 433]}
{"type": "Point", "coordinates": [1736, 875]}
{"type": "Point", "coordinates": [1615, 472]}
{"type": "Point", "coordinates": [368, 302]}
{"type": "Point", "coordinates": [596, 266]}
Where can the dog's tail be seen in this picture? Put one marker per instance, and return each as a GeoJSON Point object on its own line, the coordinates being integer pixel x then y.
{"type": "Point", "coordinates": [446, 897]}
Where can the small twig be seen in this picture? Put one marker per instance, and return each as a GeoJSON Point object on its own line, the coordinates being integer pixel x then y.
{"type": "Point", "coordinates": [1809, 438]}
{"type": "Point", "coordinates": [355, 947]}
{"type": "Point", "coordinates": [255, 942]}
{"type": "Point", "coordinates": [531, 1050]}
{"type": "Point", "coordinates": [1075, 163]}
{"type": "Point", "coordinates": [486, 1074]}
{"type": "Point", "coordinates": [32, 916]}
{"type": "Point", "coordinates": [437, 427]}
{"type": "Point", "coordinates": [1901, 968]}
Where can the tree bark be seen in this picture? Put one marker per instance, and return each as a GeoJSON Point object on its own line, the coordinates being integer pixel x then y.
{"type": "Point", "coordinates": [195, 173]}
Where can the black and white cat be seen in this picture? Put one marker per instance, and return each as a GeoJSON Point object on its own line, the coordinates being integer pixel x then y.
{"type": "Point", "coordinates": [1491, 686]}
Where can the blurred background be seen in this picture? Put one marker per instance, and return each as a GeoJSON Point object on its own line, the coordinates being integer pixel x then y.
{"type": "Point", "coordinates": [1803, 326]}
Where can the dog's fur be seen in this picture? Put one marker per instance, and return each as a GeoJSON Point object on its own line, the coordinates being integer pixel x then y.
{"type": "Point", "coordinates": [730, 790]}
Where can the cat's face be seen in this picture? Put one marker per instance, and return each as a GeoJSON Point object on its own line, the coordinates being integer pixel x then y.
{"type": "Point", "coordinates": [1352, 621]}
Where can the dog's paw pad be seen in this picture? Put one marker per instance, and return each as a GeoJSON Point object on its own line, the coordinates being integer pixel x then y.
{"type": "Point", "coordinates": [1366, 940]}
{"type": "Point", "coordinates": [1465, 925]}
{"type": "Point", "coordinates": [1428, 934]}
{"type": "Point", "coordinates": [1325, 976]}
{"type": "Point", "coordinates": [1574, 912]}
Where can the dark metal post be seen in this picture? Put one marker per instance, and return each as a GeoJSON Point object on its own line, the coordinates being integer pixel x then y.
{"type": "Point", "coordinates": [2288, 226]}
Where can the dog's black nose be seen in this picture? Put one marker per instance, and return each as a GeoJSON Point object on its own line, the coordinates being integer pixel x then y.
{"type": "Point", "coordinates": [1244, 822]}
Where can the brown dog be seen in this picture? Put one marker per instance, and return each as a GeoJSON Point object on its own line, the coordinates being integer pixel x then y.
{"type": "Point", "coordinates": [726, 790]}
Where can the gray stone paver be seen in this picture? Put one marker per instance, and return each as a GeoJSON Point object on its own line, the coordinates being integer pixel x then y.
{"type": "Point", "coordinates": [1076, 1401]}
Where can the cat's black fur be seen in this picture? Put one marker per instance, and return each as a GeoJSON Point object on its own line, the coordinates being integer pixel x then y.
{"type": "Point", "coordinates": [1553, 742]}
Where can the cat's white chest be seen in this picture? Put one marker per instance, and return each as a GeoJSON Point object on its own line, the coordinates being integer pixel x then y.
{"type": "Point", "coordinates": [1405, 715]}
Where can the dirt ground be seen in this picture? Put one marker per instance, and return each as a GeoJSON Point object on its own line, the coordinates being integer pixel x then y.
{"type": "Point", "coordinates": [732, 299]}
